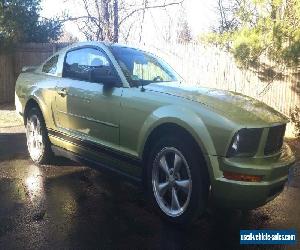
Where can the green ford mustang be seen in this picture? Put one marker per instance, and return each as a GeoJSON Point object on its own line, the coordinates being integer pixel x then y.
{"type": "Point", "coordinates": [122, 109]}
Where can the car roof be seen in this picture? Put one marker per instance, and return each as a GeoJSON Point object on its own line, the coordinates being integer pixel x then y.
{"type": "Point", "coordinates": [97, 43]}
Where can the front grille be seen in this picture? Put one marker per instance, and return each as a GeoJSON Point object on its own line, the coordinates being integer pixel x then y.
{"type": "Point", "coordinates": [275, 139]}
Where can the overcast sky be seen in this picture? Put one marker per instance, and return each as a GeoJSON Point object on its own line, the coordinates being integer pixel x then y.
{"type": "Point", "coordinates": [200, 15]}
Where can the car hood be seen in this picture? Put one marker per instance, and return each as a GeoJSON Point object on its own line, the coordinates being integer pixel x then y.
{"type": "Point", "coordinates": [238, 107]}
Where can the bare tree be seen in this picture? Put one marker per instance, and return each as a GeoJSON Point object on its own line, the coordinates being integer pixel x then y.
{"type": "Point", "coordinates": [145, 3]}
{"type": "Point", "coordinates": [227, 20]}
{"type": "Point", "coordinates": [67, 37]}
{"type": "Point", "coordinates": [231, 16]}
{"type": "Point", "coordinates": [104, 19]}
{"type": "Point", "coordinates": [167, 31]}
{"type": "Point", "coordinates": [116, 21]}
{"type": "Point", "coordinates": [184, 33]}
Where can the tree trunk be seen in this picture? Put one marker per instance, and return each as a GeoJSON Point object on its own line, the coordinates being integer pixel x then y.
{"type": "Point", "coordinates": [105, 14]}
{"type": "Point", "coordinates": [116, 22]}
{"type": "Point", "coordinates": [143, 18]}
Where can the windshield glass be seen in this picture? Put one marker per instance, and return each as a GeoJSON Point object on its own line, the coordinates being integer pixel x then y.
{"type": "Point", "coordinates": [141, 68]}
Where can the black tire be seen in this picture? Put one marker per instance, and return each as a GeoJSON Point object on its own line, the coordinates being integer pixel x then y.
{"type": "Point", "coordinates": [45, 154]}
{"type": "Point", "coordinates": [198, 173]}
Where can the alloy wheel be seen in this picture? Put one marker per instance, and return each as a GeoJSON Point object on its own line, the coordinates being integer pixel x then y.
{"type": "Point", "coordinates": [34, 138]}
{"type": "Point", "coordinates": [171, 181]}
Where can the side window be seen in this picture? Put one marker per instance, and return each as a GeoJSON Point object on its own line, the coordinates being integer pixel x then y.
{"type": "Point", "coordinates": [88, 64]}
{"type": "Point", "coordinates": [51, 65]}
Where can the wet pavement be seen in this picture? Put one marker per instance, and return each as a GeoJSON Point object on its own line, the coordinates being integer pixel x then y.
{"type": "Point", "coordinates": [66, 205]}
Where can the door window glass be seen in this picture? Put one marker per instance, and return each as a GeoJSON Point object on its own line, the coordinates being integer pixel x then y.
{"type": "Point", "coordinates": [88, 64]}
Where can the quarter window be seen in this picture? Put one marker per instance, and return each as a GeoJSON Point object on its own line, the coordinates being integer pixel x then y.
{"type": "Point", "coordinates": [87, 64]}
{"type": "Point", "coordinates": [51, 65]}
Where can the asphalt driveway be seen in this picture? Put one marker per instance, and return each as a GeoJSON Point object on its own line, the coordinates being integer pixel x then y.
{"type": "Point", "coordinates": [66, 205]}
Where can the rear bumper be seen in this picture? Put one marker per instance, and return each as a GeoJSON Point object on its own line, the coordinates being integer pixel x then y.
{"type": "Point", "coordinates": [249, 195]}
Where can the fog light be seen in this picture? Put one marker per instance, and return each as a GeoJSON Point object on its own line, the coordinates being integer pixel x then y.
{"type": "Point", "coordinates": [242, 177]}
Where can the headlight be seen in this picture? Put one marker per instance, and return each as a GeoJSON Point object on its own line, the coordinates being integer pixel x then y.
{"type": "Point", "coordinates": [245, 143]}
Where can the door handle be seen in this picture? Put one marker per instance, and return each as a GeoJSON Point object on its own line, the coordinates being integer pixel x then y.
{"type": "Point", "coordinates": [62, 92]}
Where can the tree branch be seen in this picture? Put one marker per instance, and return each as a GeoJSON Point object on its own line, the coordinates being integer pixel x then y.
{"type": "Point", "coordinates": [149, 7]}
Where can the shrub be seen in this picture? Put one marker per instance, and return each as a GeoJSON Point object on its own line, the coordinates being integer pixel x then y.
{"type": "Point", "coordinates": [295, 118]}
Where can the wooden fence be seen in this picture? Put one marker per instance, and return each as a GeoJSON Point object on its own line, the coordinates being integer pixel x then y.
{"type": "Point", "coordinates": [7, 78]}
{"type": "Point", "coordinates": [30, 54]}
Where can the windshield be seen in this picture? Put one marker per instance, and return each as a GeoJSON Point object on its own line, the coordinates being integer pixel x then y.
{"type": "Point", "coordinates": [141, 68]}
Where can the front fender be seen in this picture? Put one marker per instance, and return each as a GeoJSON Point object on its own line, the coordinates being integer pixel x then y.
{"type": "Point", "coordinates": [181, 116]}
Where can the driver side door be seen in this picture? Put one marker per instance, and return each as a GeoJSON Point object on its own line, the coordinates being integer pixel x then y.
{"type": "Point", "coordinates": [87, 108]}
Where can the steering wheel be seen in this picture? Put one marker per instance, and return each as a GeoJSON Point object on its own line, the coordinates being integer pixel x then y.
{"type": "Point", "coordinates": [158, 79]}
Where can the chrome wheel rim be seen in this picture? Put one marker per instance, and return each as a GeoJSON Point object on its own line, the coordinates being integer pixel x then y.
{"type": "Point", "coordinates": [171, 181]}
{"type": "Point", "coordinates": [34, 138]}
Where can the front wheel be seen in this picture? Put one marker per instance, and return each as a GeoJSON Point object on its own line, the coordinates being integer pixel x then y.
{"type": "Point", "coordinates": [177, 180]}
{"type": "Point", "coordinates": [38, 143]}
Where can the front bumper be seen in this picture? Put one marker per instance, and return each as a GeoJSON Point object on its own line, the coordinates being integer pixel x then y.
{"type": "Point", "coordinates": [249, 195]}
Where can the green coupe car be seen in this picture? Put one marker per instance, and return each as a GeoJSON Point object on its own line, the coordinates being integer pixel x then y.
{"type": "Point", "coordinates": [122, 109]}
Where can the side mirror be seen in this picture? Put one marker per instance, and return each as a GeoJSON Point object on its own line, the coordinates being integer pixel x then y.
{"type": "Point", "coordinates": [105, 75]}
